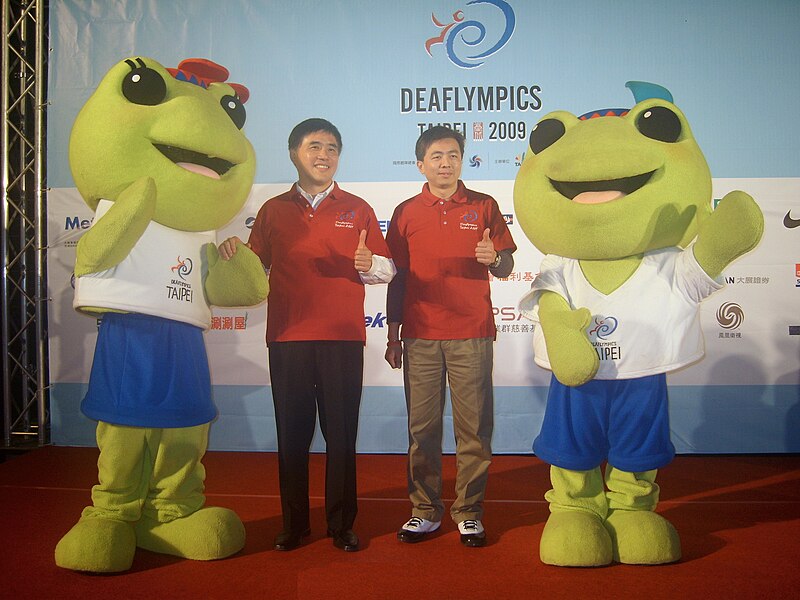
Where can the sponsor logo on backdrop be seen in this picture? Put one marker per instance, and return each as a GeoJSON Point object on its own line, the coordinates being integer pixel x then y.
{"type": "Point", "coordinates": [461, 37]}
{"type": "Point", "coordinates": [508, 218]}
{"type": "Point", "coordinates": [229, 322]}
{"type": "Point", "coordinates": [507, 319]}
{"type": "Point", "coordinates": [746, 280]}
{"type": "Point", "coordinates": [376, 320]}
{"type": "Point", "coordinates": [797, 275]}
{"type": "Point", "coordinates": [475, 161]}
{"type": "Point", "coordinates": [789, 222]}
{"type": "Point", "coordinates": [526, 276]}
{"type": "Point", "coordinates": [730, 317]}
{"type": "Point", "coordinates": [77, 223]}
{"type": "Point", "coordinates": [73, 224]}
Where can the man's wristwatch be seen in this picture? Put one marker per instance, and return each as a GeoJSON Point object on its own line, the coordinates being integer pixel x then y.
{"type": "Point", "coordinates": [496, 262]}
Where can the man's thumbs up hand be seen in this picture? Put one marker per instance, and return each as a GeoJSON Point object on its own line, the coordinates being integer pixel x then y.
{"type": "Point", "coordinates": [484, 251]}
{"type": "Point", "coordinates": [363, 255]}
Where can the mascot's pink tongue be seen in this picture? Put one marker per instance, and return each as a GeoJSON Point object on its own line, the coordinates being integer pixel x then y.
{"type": "Point", "coordinates": [597, 197]}
{"type": "Point", "coordinates": [199, 169]}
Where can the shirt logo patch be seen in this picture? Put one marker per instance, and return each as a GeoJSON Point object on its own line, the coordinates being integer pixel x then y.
{"type": "Point", "coordinates": [604, 327]}
{"type": "Point", "coordinates": [469, 220]}
{"type": "Point", "coordinates": [179, 289]}
{"type": "Point", "coordinates": [602, 330]}
{"type": "Point", "coordinates": [183, 268]}
{"type": "Point", "coordinates": [345, 219]}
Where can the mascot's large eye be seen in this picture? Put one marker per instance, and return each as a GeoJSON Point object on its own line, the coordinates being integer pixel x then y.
{"type": "Point", "coordinates": [659, 123]}
{"type": "Point", "coordinates": [235, 109]}
{"type": "Point", "coordinates": [545, 134]}
{"type": "Point", "coordinates": [143, 85]}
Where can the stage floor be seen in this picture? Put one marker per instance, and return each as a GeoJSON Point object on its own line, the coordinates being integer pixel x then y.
{"type": "Point", "coordinates": [738, 517]}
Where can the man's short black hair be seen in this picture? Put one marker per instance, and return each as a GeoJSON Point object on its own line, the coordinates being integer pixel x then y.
{"type": "Point", "coordinates": [434, 134]}
{"type": "Point", "coordinates": [301, 130]}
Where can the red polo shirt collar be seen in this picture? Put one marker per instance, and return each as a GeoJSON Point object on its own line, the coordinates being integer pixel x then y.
{"type": "Point", "coordinates": [460, 195]}
{"type": "Point", "coordinates": [298, 197]}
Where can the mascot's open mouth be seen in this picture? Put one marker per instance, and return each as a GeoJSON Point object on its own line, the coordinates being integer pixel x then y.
{"type": "Point", "coordinates": [596, 192]}
{"type": "Point", "coordinates": [196, 162]}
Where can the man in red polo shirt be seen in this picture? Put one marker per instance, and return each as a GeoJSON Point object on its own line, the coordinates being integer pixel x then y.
{"type": "Point", "coordinates": [317, 242]}
{"type": "Point", "coordinates": [445, 241]}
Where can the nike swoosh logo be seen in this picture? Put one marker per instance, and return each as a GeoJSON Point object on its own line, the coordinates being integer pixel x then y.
{"type": "Point", "coordinates": [789, 222]}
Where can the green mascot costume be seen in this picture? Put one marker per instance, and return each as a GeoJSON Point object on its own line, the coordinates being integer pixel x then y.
{"type": "Point", "coordinates": [160, 156]}
{"type": "Point", "coordinates": [619, 202]}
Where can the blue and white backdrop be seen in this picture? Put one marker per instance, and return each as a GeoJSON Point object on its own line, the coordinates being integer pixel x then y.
{"type": "Point", "coordinates": [383, 71]}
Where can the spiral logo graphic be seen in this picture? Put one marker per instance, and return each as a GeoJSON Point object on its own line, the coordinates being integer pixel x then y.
{"type": "Point", "coordinates": [604, 327]}
{"type": "Point", "coordinates": [730, 315]}
{"type": "Point", "coordinates": [470, 34]}
{"type": "Point", "coordinates": [475, 161]}
{"type": "Point", "coordinates": [183, 268]}
{"type": "Point", "coordinates": [470, 216]}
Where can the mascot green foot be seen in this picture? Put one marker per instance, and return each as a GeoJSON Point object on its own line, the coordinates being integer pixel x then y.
{"type": "Point", "coordinates": [639, 535]}
{"type": "Point", "coordinates": [208, 534]}
{"type": "Point", "coordinates": [642, 538]}
{"type": "Point", "coordinates": [575, 539]}
{"type": "Point", "coordinates": [97, 545]}
{"type": "Point", "coordinates": [574, 535]}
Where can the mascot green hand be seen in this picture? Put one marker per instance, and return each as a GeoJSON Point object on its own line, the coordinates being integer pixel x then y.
{"type": "Point", "coordinates": [619, 201]}
{"type": "Point", "coordinates": [160, 156]}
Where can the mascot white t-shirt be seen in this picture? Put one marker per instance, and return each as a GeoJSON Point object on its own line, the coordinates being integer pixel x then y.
{"type": "Point", "coordinates": [162, 276]}
{"type": "Point", "coordinates": [649, 325]}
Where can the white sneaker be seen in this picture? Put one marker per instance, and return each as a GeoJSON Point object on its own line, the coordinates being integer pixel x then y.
{"type": "Point", "coordinates": [472, 533]}
{"type": "Point", "coordinates": [415, 529]}
{"type": "Point", "coordinates": [470, 526]}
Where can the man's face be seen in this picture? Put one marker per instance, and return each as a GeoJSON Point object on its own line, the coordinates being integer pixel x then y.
{"type": "Point", "coordinates": [441, 165]}
{"type": "Point", "coordinates": [316, 160]}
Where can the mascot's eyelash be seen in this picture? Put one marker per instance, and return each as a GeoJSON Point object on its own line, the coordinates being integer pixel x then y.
{"type": "Point", "coordinates": [133, 66]}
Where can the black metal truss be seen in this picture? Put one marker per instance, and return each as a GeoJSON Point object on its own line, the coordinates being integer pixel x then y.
{"type": "Point", "coordinates": [25, 418]}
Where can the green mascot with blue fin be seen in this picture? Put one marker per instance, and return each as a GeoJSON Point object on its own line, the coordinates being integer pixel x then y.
{"type": "Point", "coordinates": [620, 203]}
{"type": "Point", "coordinates": [160, 156]}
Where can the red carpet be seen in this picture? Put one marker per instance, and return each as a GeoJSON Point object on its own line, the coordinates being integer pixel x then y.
{"type": "Point", "coordinates": [739, 520]}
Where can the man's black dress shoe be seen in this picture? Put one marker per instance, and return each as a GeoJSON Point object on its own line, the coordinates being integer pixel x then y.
{"type": "Point", "coordinates": [345, 540]}
{"type": "Point", "coordinates": [289, 540]}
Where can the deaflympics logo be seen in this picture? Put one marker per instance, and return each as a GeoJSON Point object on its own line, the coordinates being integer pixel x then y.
{"type": "Point", "coordinates": [604, 327]}
{"type": "Point", "coordinates": [183, 268]}
{"type": "Point", "coordinates": [460, 30]}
